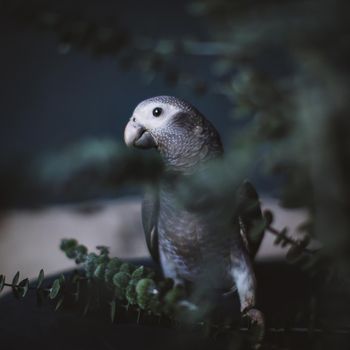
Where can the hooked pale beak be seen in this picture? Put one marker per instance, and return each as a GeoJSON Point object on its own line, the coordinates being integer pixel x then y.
{"type": "Point", "coordinates": [135, 135]}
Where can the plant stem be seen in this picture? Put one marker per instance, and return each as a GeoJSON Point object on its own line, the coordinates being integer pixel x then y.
{"type": "Point", "coordinates": [31, 288]}
{"type": "Point", "coordinates": [288, 239]}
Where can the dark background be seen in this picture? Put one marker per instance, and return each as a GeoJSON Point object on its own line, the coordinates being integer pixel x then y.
{"type": "Point", "coordinates": [50, 99]}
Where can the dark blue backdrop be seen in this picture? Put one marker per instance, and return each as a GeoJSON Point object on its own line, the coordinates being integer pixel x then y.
{"type": "Point", "coordinates": [49, 99]}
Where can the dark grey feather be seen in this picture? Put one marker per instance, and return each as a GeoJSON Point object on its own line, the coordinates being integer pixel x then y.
{"type": "Point", "coordinates": [250, 217]}
{"type": "Point", "coordinates": [150, 213]}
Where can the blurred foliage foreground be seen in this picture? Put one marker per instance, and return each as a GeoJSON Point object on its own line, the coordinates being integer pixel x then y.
{"type": "Point", "coordinates": [140, 294]}
{"type": "Point", "coordinates": [285, 68]}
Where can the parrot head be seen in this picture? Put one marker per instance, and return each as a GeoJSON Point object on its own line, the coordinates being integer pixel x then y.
{"type": "Point", "coordinates": [182, 135]}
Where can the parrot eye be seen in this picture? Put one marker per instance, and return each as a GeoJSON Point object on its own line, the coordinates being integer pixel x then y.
{"type": "Point", "coordinates": [157, 112]}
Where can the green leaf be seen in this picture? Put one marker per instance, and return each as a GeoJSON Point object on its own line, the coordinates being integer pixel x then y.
{"type": "Point", "coordinates": [121, 281]}
{"type": "Point", "coordinates": [138, 274]}
{"type": "Point", "coordinates": [2, 282]}
{"type": "Point", "coordinates": [102, 259]}
{"type": "Point", "coordinates": [90, 264]}
{"type": "Point", "coordinates": [113, 310]}
{"type": "Point", "coordinates": [67, 244]}
{"type": "Point", "coordinates": [23, 288]}
{"type": "Point", "coordinates": [59, 303]}
{"type": "Point", "coordinates": [15, 279]}
{"type": "Point", "coordinates": [146, 291]}
{"type": "Point", "coordinates": [40, 279]}
{"type": "Point", "coordinates": [128, 268]}
{"type": "Point", "coordinates": [14, 286]}
{"type": "Point", "coordinates": [62, 278]}
{"type": "Point", "coordinates": [81, 252]}
{"type": "Point", "coordinates": [130, 294]}
{"type": "Point", "coordinates": [100, 271]}
{"type": "Point", "coordinates": [103, 249]}
{"type": "Point", "coordinates": [55, 289]}
{"type": "Point", "coordinates": [111, 269]}
{"type": "Point", "coordinates": [77, 291]}
{"type": "Point", "coordinates": [71, 253]}
{"type": "Point", "coordinates": [114, 263]}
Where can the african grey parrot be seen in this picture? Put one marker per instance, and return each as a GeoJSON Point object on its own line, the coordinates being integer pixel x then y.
{"type": "Point", "coordinates": [190, 241]}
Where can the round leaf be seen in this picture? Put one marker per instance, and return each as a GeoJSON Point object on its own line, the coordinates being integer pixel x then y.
{"type": "Point", "coordinates": [15, 279]}
{"type": "Point", "coordinates": [55, 289]}
{"type": "Point", "coordinates": [40, 279]}
{"type": "Point", "coordinates": [59, 303]}
{"type": "Point", "coordinates": [23, 288]}
{"type": "Point", "coordinates": [121, 280]}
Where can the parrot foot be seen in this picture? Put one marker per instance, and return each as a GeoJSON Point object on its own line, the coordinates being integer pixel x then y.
{"type": "Point", "coordinates": [256, 326]}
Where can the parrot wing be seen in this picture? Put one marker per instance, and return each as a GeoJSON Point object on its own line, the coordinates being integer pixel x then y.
{"type": "Point", "coordinates": [150, 211]}
{"type": "Point", "coordinates": [250, 217]}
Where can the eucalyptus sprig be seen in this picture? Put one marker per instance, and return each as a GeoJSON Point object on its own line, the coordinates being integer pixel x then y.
{"type": "Point", "coordinates": [127, 285]}
{"type": "Point", "coordinates": [124, 285]}
{"type": "Point", "coordinates": [298, 252]}
{"type": "Point", "coordinates": [21, 288]}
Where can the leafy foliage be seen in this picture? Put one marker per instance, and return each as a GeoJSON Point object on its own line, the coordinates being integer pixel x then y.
{"type": "Point", "coordinates": [125, 287]}
{"type": "Point", "coordinates": [129, 285]}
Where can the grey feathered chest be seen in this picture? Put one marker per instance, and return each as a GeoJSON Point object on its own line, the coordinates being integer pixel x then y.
{"type": "Point", "coordinates": [191, 240]}
{"type": "Point", "coordinates": [194, 241]}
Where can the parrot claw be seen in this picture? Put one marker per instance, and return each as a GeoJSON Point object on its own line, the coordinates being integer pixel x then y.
{"type": "Point", "coordinates": [256, 326]}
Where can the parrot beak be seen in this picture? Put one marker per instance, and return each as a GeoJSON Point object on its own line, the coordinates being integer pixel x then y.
{"type": "Point", "coordinates": [135, 135]}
